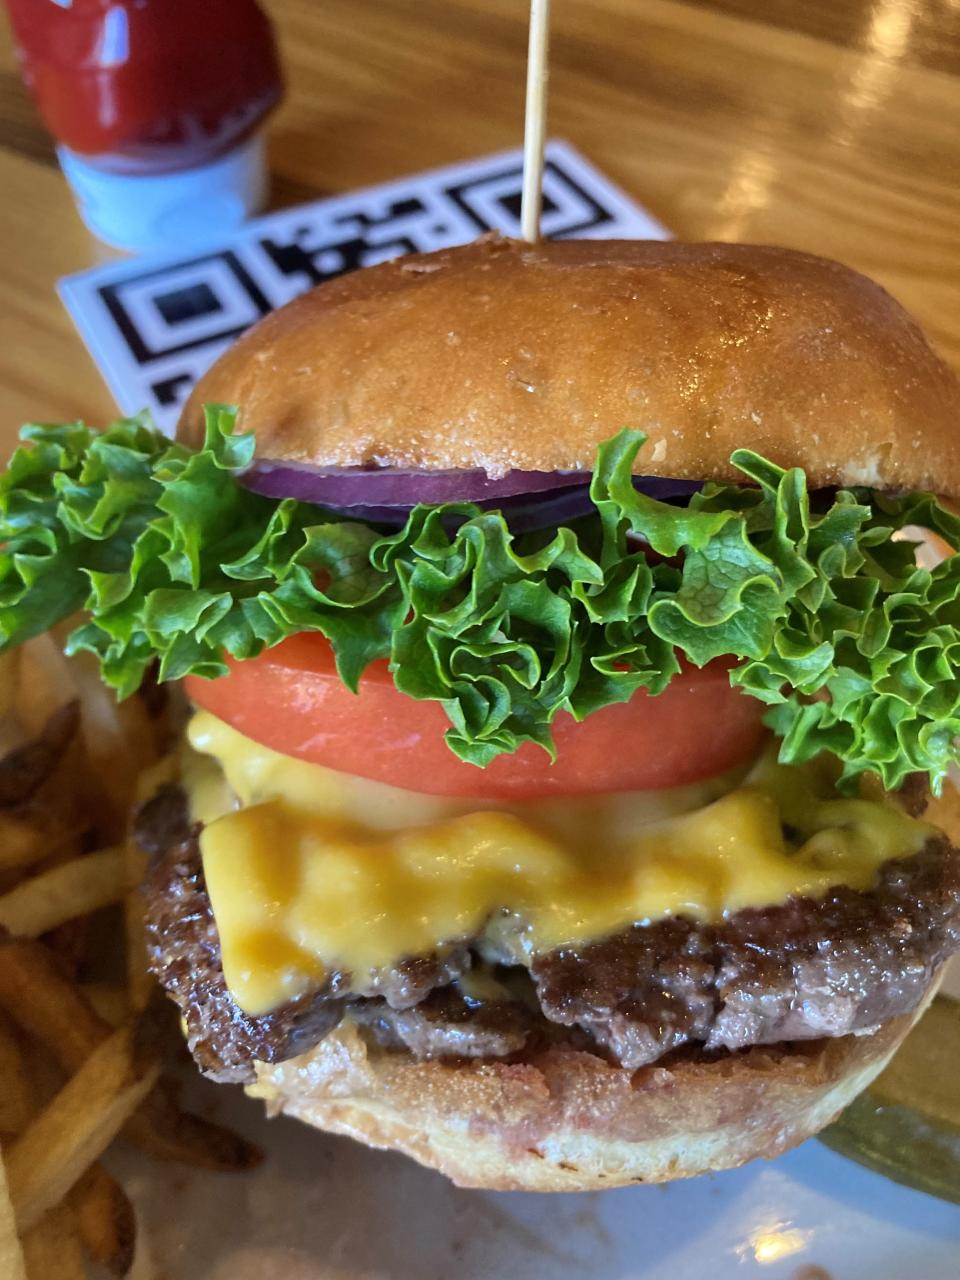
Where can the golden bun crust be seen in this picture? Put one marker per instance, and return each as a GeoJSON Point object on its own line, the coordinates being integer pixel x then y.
{"type": "Point", "coordinates": [564, 1120]}
{"type": "Point", "coordinates": [505, 355]}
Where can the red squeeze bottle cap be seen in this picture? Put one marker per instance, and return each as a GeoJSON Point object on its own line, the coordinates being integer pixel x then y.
{"type": "Point", "coordinates": [157, 107]}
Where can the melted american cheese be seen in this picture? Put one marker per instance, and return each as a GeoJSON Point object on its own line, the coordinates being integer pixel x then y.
{"type": "Point", "coordinates": [309, 869]}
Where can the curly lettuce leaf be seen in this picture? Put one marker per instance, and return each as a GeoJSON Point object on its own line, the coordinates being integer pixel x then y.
{"type": "Point", "coordinates": [854, 649]}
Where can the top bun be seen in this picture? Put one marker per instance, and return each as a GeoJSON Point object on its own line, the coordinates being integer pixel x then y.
{"type": "Point", "coordinates": [503, 355]}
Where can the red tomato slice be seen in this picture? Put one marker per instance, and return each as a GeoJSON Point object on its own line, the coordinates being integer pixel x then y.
{"type": "Point", "coordinates": [291, 699]}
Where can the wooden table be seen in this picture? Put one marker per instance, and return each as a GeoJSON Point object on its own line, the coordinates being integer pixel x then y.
{"type": "Point", "coordinates": [831, 125]}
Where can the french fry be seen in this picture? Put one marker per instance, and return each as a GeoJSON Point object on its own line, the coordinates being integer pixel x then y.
{"type": "Point", "coordinates": [44, 684]}
{"type": "Point", "coordinates": [162, 771]}
{"type": "Point", "coordinates": [52, 1249]}
{"type": "Point", "coordinates": [35, 991]}
{"type": "Point", "coordinates": [73, 889]}
{"type": "Point", "coordinates": [9, 681]}
{"type": "Point", "coordinates": [102, 1214]}
{"type": "Point", "coordinates": [78, 1124]}
{"type": "Point", "coordinates": [16, 1100]}
{"type": "Point", "coordinates": [22, 842]}
{"type": "Point", "coordinates": [163, 1130]}
{"type": "Point", "coordinates": [140, 983]}
{"type": "Point", "coordinates": [42, 792]}
{"type": "Point", "coordinates": [110, 1002]}
{"type": "Point", "coordinates": [119, 738]}
{"type": "Point", "coordinates": [12, 1264]}
{"type": "Point", "coordinates": [106, 1220]}
{"type": "Point", "coordinates": [73, 762]}
{"type": "Point", "coordinates": [24, 770]}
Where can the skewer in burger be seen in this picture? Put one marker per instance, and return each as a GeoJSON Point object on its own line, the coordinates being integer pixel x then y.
{"type": "Point", "coordinates": [561, 798]}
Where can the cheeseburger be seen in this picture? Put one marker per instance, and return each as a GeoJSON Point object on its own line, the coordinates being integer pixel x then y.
{"type": "Point", "coordinates": [562, 796]}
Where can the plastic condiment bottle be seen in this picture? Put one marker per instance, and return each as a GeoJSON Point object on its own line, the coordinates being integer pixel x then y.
{"type": "Point", "coordinates": [156, 107]}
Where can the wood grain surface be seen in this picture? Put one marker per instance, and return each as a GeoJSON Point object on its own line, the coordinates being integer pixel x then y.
{"type": "Point", "coordinates": [831, 125]}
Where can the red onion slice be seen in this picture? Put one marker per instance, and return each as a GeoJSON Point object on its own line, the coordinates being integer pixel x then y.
{"type": "Point", "coordinates": [393, 487]}
{"type": "Point", "coordinates": [528, 499]}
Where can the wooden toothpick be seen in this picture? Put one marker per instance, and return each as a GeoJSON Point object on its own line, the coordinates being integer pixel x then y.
{"type": "Point", "coordinates": [535, 121]}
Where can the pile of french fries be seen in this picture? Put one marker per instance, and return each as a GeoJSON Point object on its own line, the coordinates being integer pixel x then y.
{"type": "Point", "coordinates": [81, 1037]}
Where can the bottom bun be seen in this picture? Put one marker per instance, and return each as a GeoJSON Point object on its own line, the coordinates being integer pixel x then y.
{"type": "Point", "coordinates": [565, 1120]}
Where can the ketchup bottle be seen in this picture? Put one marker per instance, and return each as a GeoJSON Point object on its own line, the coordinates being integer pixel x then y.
{"type": "Point", "coordinates": [157, 108]}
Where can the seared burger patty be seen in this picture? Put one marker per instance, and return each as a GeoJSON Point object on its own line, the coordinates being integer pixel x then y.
{"type": "Point", "coordinates": [803, 970]}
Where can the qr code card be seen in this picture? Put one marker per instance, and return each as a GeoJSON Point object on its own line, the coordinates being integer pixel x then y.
{"type": "Point", "coordinates": [155, 324]}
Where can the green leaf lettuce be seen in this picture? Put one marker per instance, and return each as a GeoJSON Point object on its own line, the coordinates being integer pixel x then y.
{"type": "Point", "coordinates": [853, 647]}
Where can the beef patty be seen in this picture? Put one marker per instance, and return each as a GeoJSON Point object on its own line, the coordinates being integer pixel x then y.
{"type": "Point", "coordinates": [804, 969]}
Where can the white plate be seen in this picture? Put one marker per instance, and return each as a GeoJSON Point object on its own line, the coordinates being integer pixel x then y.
{"type": "Point", "coordinates": [324, 1208]}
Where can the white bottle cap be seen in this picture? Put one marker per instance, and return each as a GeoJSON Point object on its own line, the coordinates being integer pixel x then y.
{"type": "Point", "coordinates": [140, 212]}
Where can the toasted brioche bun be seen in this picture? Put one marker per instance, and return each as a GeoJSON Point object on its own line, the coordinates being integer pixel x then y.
{"type": "Point", "coordinates": [503, 355]}
{"type": "Point", "coordinates": [564, 1120]}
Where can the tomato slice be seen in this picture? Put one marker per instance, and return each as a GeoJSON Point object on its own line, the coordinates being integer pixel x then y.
{"type": "Point", "coordinates": [291, 699]}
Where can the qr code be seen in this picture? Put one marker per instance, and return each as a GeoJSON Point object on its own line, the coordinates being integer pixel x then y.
{"type": "Point", "coordinates": [155, 325]}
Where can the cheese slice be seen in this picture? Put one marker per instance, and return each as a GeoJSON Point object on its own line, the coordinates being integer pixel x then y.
{"type": "Point", "coordinates": [309, 870]}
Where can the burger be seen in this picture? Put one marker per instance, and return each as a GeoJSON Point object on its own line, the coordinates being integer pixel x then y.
{"type": "Point", "coordinates": [562, 795]}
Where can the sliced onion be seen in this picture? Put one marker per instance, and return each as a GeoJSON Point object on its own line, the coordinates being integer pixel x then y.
{"type": "Point", "coordinates": [529, 500]}
{"type": "Point", "coordinates": [394, 487]}
{"type": "Point", "coordinates": [526, 514]}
